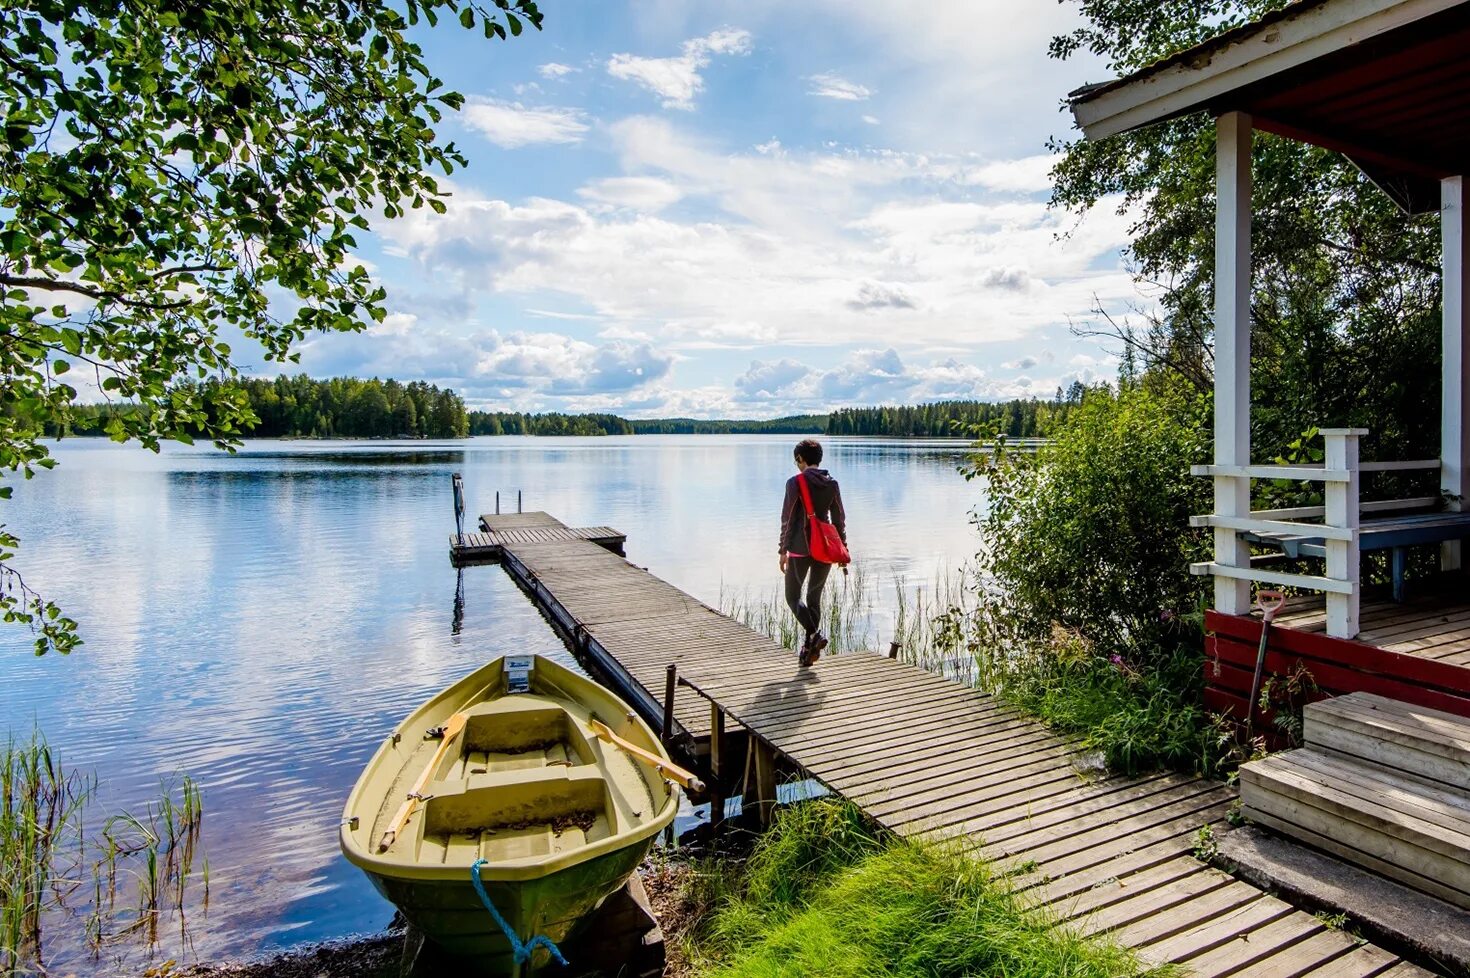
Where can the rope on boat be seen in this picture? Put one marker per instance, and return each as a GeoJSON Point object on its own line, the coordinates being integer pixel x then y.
{"type": "Point", "coordinates": [521, 951]}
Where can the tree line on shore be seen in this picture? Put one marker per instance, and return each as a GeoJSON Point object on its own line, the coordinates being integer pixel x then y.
{"type": "Point", "coordinates": [304, 407]}
{"type": "Point", "coordinates": [348, 407]}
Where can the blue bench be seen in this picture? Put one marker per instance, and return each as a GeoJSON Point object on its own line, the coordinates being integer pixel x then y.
{"type": "Point", "coordinates": [1395, 533]}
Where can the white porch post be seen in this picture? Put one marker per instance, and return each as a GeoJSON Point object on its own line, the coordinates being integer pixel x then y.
{"type": "Point", "coordinates": [1232, 348]}
{"type": "Point", "coordinates": [1344, 561]}
{"type": "Point", "coordinates": [1455, 333]}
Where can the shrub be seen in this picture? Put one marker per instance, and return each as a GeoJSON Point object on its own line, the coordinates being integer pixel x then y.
{"type": "Point", "coordinates": [1086, 613]}
{"type": "Point", "coordinates": [1092, 532]}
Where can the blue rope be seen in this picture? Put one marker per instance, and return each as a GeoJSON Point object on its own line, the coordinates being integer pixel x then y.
{"type": "Point", "coordinates": [521, 951]}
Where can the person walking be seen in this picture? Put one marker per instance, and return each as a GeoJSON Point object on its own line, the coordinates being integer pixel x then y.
{"type": "Point", "coordinates": [823, 500]}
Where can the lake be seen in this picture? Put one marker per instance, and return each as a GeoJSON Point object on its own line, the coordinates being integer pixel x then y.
{"type": "Point", "coordinates": [260, 620]}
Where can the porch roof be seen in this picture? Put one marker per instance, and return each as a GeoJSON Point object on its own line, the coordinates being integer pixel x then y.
{"type": "Point", "coordinates": [1386, 82]}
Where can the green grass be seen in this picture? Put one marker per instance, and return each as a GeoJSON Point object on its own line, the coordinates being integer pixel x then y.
{"type": "Point", "coordinates": [40, 845]}
{"type": "Point", "coordinates": [822, 895]}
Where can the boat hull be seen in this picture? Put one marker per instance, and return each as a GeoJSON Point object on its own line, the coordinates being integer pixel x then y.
{"type": "Point", "coordinates": [450, 914]}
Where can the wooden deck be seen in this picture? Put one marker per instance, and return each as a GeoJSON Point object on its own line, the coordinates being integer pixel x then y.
{"type": "Point", "coordinates": [499, 529]}
{"type": "Point", "coordinates": [927, 757]}
{"type": "Point", "coordinates": [1433, 623]}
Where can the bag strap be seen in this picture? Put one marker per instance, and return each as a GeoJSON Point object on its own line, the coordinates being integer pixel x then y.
{"type": "Point", "coordinates": [806, 496]}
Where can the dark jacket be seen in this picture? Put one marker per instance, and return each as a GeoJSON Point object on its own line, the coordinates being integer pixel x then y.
{"type": "Point", "coordinates": [826, 503]}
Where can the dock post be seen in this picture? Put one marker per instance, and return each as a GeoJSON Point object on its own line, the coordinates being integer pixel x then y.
{"type": "Point", "coordinates": [716, 766]}
{"type": "Point", "coordinates": [518, 501]}
{"type": "Point", "coordinates": [497, 502]}
{"type": "Point", "coordinates": [765, 780]}
{"type": "Point", "coordinates": [893, 648]}
{"type": "Point", "coordinates": [457, 482]}
{"type": "Point", "coordinates": [671, 682]}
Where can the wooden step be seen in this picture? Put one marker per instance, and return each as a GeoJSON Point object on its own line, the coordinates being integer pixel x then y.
{"type": "Point", "coordinates": [1414, 830]}
{"type": "Point", "coordinates": [1396, 735]}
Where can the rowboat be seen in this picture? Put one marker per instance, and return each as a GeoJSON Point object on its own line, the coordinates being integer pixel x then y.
{"type": "Point", "coordinates": [525, 781]}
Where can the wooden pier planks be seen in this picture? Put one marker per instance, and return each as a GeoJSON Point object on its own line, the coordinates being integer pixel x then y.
{"type": "Point", "coordinates": [633, 625]}
{"type": "Point", "coordinates": [929, 758]}
{"type": "Point", "coordinates": [498, 530]}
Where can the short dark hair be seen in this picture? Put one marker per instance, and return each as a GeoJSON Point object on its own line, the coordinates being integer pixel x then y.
{"type": "Point", "coordinates": [809, 450]}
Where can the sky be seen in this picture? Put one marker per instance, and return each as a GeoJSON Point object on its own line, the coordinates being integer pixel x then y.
{"type": "Point", "coordinates": [719, 209]}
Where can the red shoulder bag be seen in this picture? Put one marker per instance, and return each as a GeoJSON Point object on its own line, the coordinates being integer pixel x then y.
{"type": "Point", "coordinates": [823, 540]}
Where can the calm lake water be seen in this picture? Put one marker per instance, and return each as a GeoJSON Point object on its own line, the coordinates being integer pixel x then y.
{"type": "Point", "coordinates": [260, 620]}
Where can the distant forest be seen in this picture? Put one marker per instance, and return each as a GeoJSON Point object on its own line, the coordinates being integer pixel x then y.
{"type": "Point", "coordinates": [345, 407]}
{"type": "Point", "coordinates": [506, 423]}
{"type": "Point", "coordinates": [1014, 419]}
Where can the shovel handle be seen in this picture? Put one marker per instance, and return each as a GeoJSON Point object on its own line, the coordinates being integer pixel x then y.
{"type": "Point", "coordinates": [1270, 601]}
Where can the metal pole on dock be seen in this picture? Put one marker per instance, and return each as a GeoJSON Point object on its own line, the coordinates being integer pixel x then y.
{"type": "Point", "coordinates": [518, 501]}
{"type": "Point", "coordinates": [671, 682]}
{"type": "Point", "coordinates": [497, 502]}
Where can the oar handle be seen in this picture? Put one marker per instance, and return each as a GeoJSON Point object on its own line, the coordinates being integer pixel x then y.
{"type": "Point", "coordinates": [664, 767]}
{"type": "Point", "coordinates": [452, 730]}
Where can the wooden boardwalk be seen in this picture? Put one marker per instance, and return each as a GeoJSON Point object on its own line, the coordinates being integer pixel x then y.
{"type": "Point", "coordinates": [926, 757]}
{"type": "Point", "coordinates": [499, 529]}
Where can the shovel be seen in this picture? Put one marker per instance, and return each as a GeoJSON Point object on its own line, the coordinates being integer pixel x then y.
{"type": "Point", "coordinates": [1270, 602]}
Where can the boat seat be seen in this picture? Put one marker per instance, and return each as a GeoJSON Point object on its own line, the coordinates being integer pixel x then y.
{"type": "Point", "coordinates": [524, 724]}
{"type": "Point", "coordinates": [484, 802]}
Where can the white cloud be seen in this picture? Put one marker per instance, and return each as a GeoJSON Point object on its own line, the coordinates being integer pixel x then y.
{"type": "Point", "coordinates": [876, 296]}
{"type": "Point", "coordinates": [677, 80]}
{"type": "Point", "coordinates": [870, 376]}
{"type": "Point", "coordinates": [512, 125]}
{"type": "Point", "coordinates": [834, 86]}
{"type": "Point", "coordinates": [554, 70]}
{"type": "Point", "coordinates": [1031, 174]}
{"type": "Point", "coordinates": [648, 194]}
{"type": "Point", "coordinates": [871, 120]}
{"type": "Point", "coordinates": [488, 365]}
{"type": "Point", "coordinates": [797, 247]}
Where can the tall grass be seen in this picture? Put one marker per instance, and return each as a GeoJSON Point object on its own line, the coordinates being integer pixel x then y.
{"type": "Point", "coordinates": [158, 849]}
{"type": "Point", "coordinates": [46, 854]}
{"type": "Point", "coordinates": [822, 895]}
{"type": "Point", "coordinates": [41, 840]}
{"type": "Point", "coordinates": [855, 619]}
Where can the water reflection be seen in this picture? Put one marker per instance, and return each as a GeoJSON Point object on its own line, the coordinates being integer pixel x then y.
{"type": "Point", "coordinates": [457, 624]}
{"type": "Point", "coordinates": [261, 620]}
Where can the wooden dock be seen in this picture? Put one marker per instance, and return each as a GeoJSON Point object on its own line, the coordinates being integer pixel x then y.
{"type": "Point", "coordinates": [926, 757]}
{"type": "Point", "coordinates": [498, 529]}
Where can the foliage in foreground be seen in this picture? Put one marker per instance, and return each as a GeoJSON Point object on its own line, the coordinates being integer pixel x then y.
{"type": "Point", "coordinates": [1084, 609]}
{"type": "Point", "coordinates": [821, 895]}
{"type": "Point", "coordinates": [176, 175]}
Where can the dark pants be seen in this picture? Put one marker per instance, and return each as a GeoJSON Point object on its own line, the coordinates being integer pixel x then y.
{"type": "Point", "coordinates": [814, 573]}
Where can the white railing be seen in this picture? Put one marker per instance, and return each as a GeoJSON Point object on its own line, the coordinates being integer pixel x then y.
{"type": "Point", "coordinates": [1340, 475]}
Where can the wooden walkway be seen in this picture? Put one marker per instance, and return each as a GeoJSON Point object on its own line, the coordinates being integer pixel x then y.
{"type": "Point", "coordinates": [926, 757]}
{"type": "Point", "coordinates": [499, 529]}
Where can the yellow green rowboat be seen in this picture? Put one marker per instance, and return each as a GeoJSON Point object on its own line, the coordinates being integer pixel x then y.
{"type": "Point", "coordinates": [556, 815]}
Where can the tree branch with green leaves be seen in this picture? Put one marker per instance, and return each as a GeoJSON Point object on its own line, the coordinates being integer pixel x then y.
{"type": "Point", "coordinates": [170, 170]}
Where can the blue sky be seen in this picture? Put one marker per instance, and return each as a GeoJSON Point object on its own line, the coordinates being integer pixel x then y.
{"type": "Point", "coordinates": [753, 209]}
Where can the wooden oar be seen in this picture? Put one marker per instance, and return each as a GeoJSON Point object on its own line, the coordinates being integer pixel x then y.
{"type": "Point", "coordinates": [452, 730]}
{"type": "Point", "coordinates": [670, 770]}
